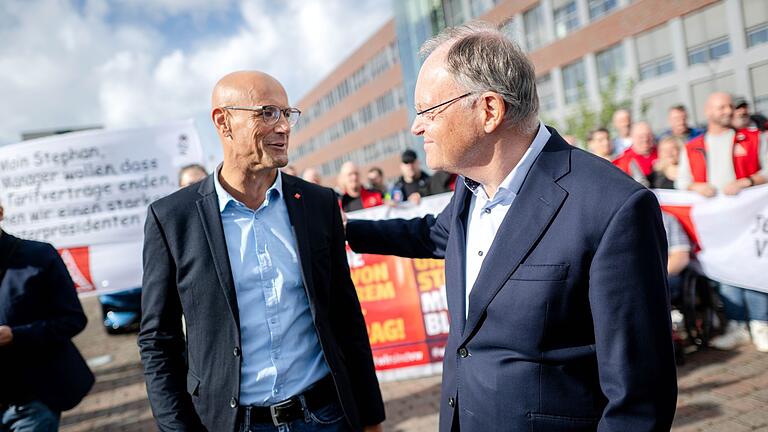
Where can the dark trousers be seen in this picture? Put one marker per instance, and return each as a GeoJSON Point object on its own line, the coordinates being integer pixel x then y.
{"type": "Point", "coordinates": [30, 417]}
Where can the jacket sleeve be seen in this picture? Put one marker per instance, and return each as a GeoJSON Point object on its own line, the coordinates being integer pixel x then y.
{"type": "Point", "coordinates": [630, 308]}
{"type": "Point", "coordinates": [161, 340]}
{"type": "Point", "coordinates": [425, 237]}
{"type": "Point", "coordinates": [64, 316]}
{"type": "Point", "coordinates": [349, 327]}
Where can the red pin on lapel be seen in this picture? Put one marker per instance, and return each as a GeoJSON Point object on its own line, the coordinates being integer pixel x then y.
{"type": "Point", "coordinates": [297, 195]}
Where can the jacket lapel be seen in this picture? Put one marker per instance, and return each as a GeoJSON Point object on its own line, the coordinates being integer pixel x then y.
{"type": "Point", "coordinates": [529, 216]}
{"type": "Point", "coordinates": [292, 194]}
{"type": "Point", "coordinates": [210, 216]}
{"type": "Point", "coordinates": [455, 270]}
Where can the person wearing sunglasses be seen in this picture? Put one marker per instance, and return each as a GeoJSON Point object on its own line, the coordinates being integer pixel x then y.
{"type": "Point", "coordinates": [255, 261]}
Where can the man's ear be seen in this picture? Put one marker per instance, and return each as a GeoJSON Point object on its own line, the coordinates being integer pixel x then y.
{"type": "Point", "coordinates": [1, 213]}
{"type": "Point", "coordinates": [221, 121]}
{"type": "Point", "coordinates": [494, 109]}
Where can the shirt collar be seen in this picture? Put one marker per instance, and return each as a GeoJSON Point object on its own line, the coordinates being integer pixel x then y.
{"type": "Point", "coordinates": [225, 197]}
{"type": "Point", "coordinates": [510, 186]}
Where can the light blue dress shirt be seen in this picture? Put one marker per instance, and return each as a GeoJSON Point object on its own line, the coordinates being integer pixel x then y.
{"type": "Point", "coordinates": [281, 353]}
{"type": "Point", "coordinates": [486, 214]}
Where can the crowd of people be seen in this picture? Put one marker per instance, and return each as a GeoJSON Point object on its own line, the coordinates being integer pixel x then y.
{"type": "Point", "coordinates": [725, 156]}
{"type": "Point", "coordinates": [733, 137]}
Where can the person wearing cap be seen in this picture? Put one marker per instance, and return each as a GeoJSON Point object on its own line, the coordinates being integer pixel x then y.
{"type": "Point", "coordinates": [742, 119]}
{"type": "Point", "coordinates": [414, 183]}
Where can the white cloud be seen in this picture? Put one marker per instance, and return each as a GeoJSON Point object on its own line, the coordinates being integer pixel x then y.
{"type": "Point", "coordinates": [62, 67]}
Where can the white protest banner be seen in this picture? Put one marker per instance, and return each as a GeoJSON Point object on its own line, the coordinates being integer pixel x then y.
{"type": "Point", "coordinates": [87, 193]}
{"type": "Point", "coordinates": [732, 232]}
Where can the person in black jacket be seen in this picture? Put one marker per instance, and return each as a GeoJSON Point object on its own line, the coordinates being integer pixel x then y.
{"type": "Point", "coordinates": [254, 259]}
{"type": "Point", "coordinates": [41, 371]}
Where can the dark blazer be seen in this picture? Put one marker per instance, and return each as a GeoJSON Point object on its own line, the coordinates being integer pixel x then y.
{"type": "Point", "coordinates": [568, 326]}
{"type": "Point", "coordinates": [39, 302]}
{"type": "Point", "coordinates": [186, 268]}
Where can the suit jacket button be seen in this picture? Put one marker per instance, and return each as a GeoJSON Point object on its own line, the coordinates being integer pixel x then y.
{"type": "Point", "coordinates": [463, 353]}
{"type": "Point", "coordinates": [451, 402]}
{"type": "Point", "coordinates": [233, 403]}
{"type": "Point", "coordinates": [236, 352]}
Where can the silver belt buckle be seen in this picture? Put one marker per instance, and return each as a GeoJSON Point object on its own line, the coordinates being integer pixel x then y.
{"type": "Point", "coordinates": [273, 410]}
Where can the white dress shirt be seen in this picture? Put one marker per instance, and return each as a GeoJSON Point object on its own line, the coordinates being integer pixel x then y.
{"type": "Point", "coordinates": [487, 214]}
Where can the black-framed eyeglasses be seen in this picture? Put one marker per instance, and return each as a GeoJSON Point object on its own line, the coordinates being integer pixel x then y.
{"type": "Point", "coordinates": [271, 113]}
{"type": "Point", "coordinates": [429, 112]}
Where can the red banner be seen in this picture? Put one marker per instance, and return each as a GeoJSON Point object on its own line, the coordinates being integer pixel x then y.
{"type": "Point", "coordinates": [404, 306]}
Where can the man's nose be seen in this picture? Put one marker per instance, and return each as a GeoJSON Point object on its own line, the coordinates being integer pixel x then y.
{"type": "Point", "coordinates": [417, 127]}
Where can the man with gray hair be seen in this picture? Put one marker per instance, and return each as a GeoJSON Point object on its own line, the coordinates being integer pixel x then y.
{"type": "Point", "coordinates": [556, 288]}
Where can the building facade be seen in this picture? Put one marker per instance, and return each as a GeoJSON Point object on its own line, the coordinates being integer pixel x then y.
{"type": "Point", "coordinates": [675, 52]}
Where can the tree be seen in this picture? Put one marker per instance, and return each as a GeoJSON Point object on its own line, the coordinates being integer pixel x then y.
{"type": "Point", "coordinates": [587, 117]}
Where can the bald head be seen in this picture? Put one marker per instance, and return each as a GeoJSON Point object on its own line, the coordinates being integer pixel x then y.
{"type": "Point", "coordinates": [719, 111]}
{"type": "Point", "coordinates": [642, 138]}
{"type": "Point", "coordinates": [250, 142]}
{"type": "Point", "coordinates": [241, 87]}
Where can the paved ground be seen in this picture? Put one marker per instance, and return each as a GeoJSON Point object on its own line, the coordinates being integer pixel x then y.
{"type": "Point", "coordinates": [718, 391]}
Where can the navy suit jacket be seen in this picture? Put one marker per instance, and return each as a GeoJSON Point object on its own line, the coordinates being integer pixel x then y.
{"type": "Point", "coordinates": [39, 302]}
{"type": "Point", "coordinates": [186, 268]}
{"type": "Point", "coordinates": [568, 326]}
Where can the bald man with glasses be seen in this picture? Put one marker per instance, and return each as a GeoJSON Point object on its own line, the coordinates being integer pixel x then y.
{"type": "Point", "coordinates": [254, 259]}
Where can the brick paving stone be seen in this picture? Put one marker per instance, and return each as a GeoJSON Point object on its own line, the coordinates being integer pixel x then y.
{"type": "Point", "coordinates": [718, 391]}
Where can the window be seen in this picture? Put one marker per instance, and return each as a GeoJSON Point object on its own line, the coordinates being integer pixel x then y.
{"type": "Point", "coordinates": [702, 89]}
{"type": "Point", "coordinates": [760, 87]}
{"type": "Point", "coordinates": [454, 12]}
{"type": "Point", "coordinates": [574, 82]}
{"type": "Point", "coordinates": [654, 53]}
{"type": "Point", "coordinates": [598, 8]}
{"type": "Point", "coordinates": [535, 31]}
{"type": "Point", "coordinates": [372, 152]}
{"type": "Point", "coordinates": [383, 105]}
{"type": "Point", "coordinates": [705, 35]}
{"type": "Point", "coordinates": [479, 7]}
{"type": "Point", "coordinates": [546, 92]}
{"type": "Point", "coordinates": [610, 64]}
{"type": "Point", "coordinates": [510, 29]}
{"type": "Point", "coordinates": [377, 65]}
{"type": "Point", "coordinates": [755, 21]}
{"type": "Point", "coordinates": [566, 17]}
{"type": "Point", "coordinates": [656, 107]}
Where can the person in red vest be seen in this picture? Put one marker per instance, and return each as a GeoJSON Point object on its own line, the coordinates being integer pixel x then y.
{"type": "Point", "coordinates": [726, 160]}
{"type": "Point", "coordinates": [637, 161]}
{"type": "Point", "coordinates": [353, 195]}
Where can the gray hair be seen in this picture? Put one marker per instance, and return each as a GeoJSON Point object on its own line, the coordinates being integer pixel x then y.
{"type": "Point", "coordinates": [481, 58]}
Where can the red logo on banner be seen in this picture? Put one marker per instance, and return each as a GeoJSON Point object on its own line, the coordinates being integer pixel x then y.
{"type": "Point", "coordinates": [683, 215]}
{"type": "Point", "coordinates": [78, 264]}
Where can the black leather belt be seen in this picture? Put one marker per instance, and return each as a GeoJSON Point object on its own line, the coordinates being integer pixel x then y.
{"type": "Point", "coordinates": [320, 394]}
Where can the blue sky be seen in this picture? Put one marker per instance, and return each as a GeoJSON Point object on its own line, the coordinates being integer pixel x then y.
{"type": "Point", "coordinates": [130, 63]}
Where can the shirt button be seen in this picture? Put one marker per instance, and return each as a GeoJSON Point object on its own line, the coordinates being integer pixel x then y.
{"type": "Point", "coordinates": [451, 402]}
{"type": "Point", "coordinates": [479, 253]}
{"type": "Point", "coordinates": [236, 352]}
{"type": "Point", "coordinates": [233, 402]}
{"type": "Point", "coordinates": [487, 210]}
{"type": "Point", "coordinates": [275, 392]}
{"type": "Point", "coordinates": [463, 353]}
